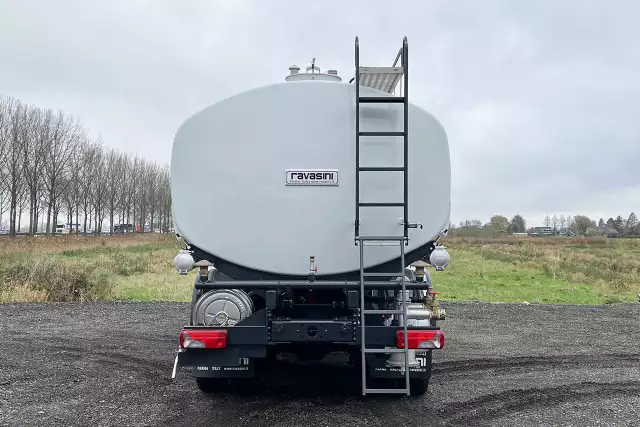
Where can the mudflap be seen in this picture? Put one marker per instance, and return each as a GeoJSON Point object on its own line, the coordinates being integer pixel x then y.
{"type": "Point", "coordinates": [244, 369]}
{"type": "Point", "coordinates": [212, 364]}
{"type": "Point", "coordinates": [376, 367]}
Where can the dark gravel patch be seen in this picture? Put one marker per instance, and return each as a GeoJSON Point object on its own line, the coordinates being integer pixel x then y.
{"type": "Point", "coordinates": [107, 364]}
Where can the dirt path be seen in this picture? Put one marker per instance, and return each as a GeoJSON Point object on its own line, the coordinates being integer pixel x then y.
{"type": "Point", "coordinates": [110, 364]}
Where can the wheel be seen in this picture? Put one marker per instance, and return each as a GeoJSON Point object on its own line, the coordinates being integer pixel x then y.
{"type": "Point", "coordinates": [212, 385]}
{"type": "Point", "coordinates": [418, 386]}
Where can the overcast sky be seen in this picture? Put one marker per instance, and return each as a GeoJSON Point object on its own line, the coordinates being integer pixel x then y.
{"type": "Point", "coordinates": [540, 99]}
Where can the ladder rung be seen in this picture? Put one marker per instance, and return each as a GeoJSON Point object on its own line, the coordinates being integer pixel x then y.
{"type": "Point", "coordinates": [381, 244]}
{"type": "Point", "coordinates": [386, 390]}
{"type": "Point", "coordinates": [381, 169]}
{"type": "Point", "coordinates": [382, 99]}
{"type": "Point", "coordinates": [381, 133]}
{"type": "Point", "coordinates": [383, 312]}
{"type": "Point", "coordinates": [380, 204]}
{"type": "Point", "coordinates": [384, 350]}
{"type": "Point", "coordinates": [384, 274]}
{"type": "Point", "coordinates": [372, 238]}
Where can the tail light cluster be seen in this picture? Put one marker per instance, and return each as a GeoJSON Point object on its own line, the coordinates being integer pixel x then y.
{"type": "Point", "coordinates": [203, 338]}
{"type": "Point", "coordinates": [421, 339]}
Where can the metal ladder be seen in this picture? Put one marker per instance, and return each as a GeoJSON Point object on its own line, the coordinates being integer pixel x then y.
{"type": "Point", "coordinates": [364, 350]}
{"type": "Point", "coordinates": [384, 79]}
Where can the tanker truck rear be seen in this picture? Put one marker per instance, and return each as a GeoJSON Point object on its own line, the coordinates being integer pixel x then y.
{"type": "Point", "coordinates": [310, 210]}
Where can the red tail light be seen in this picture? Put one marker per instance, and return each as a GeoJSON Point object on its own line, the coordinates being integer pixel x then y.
{"type": "Point", "coordinates": [203, 338]}
{"type": "Point", "coordinates": [421, 339]}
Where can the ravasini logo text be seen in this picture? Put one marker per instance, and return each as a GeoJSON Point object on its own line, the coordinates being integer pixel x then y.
{"type": "Point", "coordinates": [311, 177]}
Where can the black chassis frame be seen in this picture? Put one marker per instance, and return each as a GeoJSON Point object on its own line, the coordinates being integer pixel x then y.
{"type": "Point", "coordinates": [252, 338]}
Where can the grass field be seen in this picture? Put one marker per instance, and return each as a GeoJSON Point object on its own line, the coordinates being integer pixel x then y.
{"type": "Point", "coordinates": [139, 267]}
{"type": "Point", "coordinates": [65, 268]}
{"type": "Point", "coordinates": [542, 270]}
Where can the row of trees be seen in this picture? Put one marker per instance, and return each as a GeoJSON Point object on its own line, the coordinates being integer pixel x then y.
{"type": "Point", "coordinates": [579, 224]}
{"type": "Point", "coordinates": [582, 224]}
{"type": "Point", "coordinates": [497, 224]}
{"type": "Point", "coordinates": [51, 168]}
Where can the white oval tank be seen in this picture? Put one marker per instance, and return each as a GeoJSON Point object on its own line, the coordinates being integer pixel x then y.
{"type": "Point", "coordinates": [229, 178]}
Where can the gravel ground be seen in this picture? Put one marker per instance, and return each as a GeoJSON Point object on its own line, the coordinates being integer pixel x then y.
{"type": "Point", "coordinates": [109, 364]}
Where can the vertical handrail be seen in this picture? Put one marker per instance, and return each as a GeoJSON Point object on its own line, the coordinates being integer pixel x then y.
{"type": "Point", "coordinates": [363, 359]}
{"type": "Point", "coordinates": [405, 64]}
{"type": "Point", "coordinates": [362, 325]}
{"type": "Point", "coordinates": [357, 223]}
{"type": "Point", "coordinates": [405, 321]}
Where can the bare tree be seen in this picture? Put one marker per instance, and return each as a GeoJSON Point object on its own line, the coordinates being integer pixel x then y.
{"type": "Point", "coordinates": [86, 180]}
{"type": "Point", "coordinates": [21, 206]}
{"type": "Point", "coordinates": [57, 155]}
{"type": "Point", "coordinates": [12, 122]}
{"type": "Point", "coordinates": [73, 187]}
{"type": "Point", "coordinates": [165, 199]}
{"type": "Point", "coordinates": [126, 191]}
{"type": "Point", "coordinates": [115, 164]}
{"type": "Point", "coordinates": [5, 121]}
{"type": "Point", "coordinates": [137, 191]}
{"type": "Point", "coordinates": [34, 134]}
{"type": "Point", "coordinates": [98, 188]}
{"type": "Point", "coordinates": [152, 183]}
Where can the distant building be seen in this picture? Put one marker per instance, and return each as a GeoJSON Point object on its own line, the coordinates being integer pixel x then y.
{"type": "Point", "coordinates": [541, 231]}
{"type": "Point", "coordinates": [566, 232]}
{"type": "Point", "coordinates": [611, 232]}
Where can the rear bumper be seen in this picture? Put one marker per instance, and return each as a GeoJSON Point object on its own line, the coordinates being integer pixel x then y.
{"type": "Point", "coordinates": [253, 339]}
{"type": "Point", "coordinates": [256, 331]}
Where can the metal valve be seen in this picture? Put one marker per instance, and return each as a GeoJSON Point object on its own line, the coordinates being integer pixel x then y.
{"type": "Point", "coordinates": [437, 313]}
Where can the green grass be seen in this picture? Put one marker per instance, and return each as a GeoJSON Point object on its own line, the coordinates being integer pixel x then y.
{"type": "Point", "coordinates": [135, 271]}
{"type": "Point", "coordinates": [472, 277]}
{"type": "Point", "coordinates": [541, 270]}
{"type": "Point", "coordinates": [533, 270]}
{"type": "Point", "coordinates": [154, 286]}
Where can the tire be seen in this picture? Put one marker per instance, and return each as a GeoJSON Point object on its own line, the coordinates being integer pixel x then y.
{"type": "Point", "coordinates": [418, 386]}
{"type": "Point", "coordinates": [212, 385]}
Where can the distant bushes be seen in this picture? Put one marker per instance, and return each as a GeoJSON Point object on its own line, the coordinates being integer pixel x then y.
{"type": "Point", "coordinates": [532, 240]}
{"type": "Point", "coordinates": [44, 275]}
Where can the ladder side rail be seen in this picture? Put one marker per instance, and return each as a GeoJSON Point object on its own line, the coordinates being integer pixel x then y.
{"type": "Point", "coordinates": [357, 183]}
{"type": "Point", "coordinates": [362, 324]}
{"type": "Point", "coordinates": [405, 64]}
{"type": "Point", "coordinates": [405, 321]}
